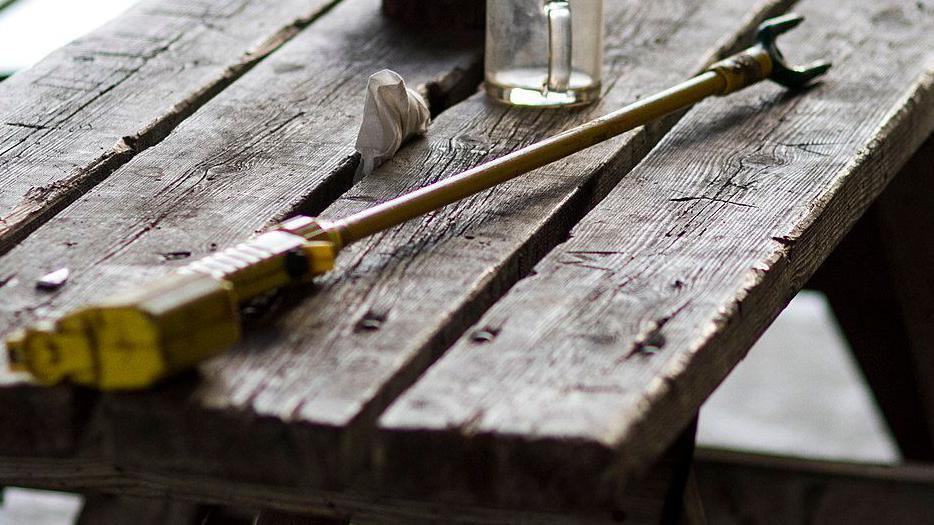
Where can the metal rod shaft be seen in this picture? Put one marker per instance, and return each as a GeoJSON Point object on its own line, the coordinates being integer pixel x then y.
{"type": "Point", "coordinates": [450, 190]}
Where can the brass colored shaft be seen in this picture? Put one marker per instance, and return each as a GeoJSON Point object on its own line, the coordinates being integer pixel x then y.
{"type": "Point", "coordinates": [450, 190]}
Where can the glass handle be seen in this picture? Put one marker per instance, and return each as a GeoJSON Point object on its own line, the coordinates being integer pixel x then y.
{"type": "Point", "coordinates": [559, 45]}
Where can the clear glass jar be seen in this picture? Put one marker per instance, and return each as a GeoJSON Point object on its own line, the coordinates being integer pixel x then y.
{"type": "Point", "coordinates": [544, 52]}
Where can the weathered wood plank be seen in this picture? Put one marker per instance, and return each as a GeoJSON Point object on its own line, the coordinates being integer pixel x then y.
{"type": "Point", "coordinates": [586, 368]}
{"type": "Point", "coordinates": [643, 506]}
{"type": "Point", "coordinates": [280, 138]}
{"type": "Point", "coordinates": [649, 503]}
{"type": "Point", "coordinates": [742, 488]}
{"type": "Point", "coordinates": [875, 281]}
{"type": "Point", "coordinates": [42, 421]}
{"type": "Point", "coordinates": [301, 394]}
{"type": "Point", "coordinates": [71, 120]}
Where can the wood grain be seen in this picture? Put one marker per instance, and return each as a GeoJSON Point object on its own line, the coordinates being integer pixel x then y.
{"type": "Point", "coordinates": [301, 394]}
{"type": "Point", "coordinates": [586, 369]}
{"type": "Point", "coordinates": [71, 120]}
{"type": "Point", "coordinates": [279, 139]}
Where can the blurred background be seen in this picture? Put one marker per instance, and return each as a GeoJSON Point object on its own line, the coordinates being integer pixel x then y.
{"type": "Point", "coordinates": [31, 29]}
{"type": "Point", "coordinates": [798, 393]}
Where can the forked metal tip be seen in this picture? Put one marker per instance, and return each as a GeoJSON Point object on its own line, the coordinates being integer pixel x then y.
{"type": "Point", "coordinates": [787, 75]}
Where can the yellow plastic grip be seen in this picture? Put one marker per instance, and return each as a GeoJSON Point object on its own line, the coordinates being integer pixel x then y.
{"type": "Point", "coordinates": [134, 340]}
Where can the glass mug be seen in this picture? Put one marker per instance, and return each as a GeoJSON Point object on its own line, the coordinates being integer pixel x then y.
{"type": "Point", "coordinates": [544, 53]}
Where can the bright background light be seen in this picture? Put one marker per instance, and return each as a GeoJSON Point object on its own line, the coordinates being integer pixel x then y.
{"type": "Point", "coordinates": [31, 29]}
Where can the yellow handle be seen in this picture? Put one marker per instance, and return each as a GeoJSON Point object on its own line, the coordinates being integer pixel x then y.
{"type": "Point", "coordinates": [134, 340]}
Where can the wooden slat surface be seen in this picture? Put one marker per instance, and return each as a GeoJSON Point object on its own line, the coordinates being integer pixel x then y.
{"type": "Point", "coordinates": [585, 369]}
{"type": "Point", "coordinates": [280, 138]}
{"type": "Point", "coordinates": [299, 397]}
{"type": "Point", "coordinates": [295, 404]}
{"type": "Point", "coordinates": [301, 394]}
{"type": "Point", "coordinates": [69, 121]}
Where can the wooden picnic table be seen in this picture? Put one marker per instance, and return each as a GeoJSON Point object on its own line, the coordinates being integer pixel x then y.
{"type": "Point", "coordinates": [538, 352]}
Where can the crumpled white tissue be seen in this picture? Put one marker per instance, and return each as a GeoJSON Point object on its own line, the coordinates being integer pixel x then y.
{"type": "Point", "coordinates": [392, 115]}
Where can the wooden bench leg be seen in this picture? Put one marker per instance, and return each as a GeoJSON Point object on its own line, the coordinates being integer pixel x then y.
{"type": "Point", "coordinates": [693, 513]}
{"type": "Point", "coordinates": [880, 285]}
{"type": "Point", "coordinates": [682, 501]}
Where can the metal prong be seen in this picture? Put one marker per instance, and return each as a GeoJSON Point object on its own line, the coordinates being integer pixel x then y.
{"type": "Point", "coordinates": [789, 76]}
{"type": "Point", "coordinates": [781, 24]}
